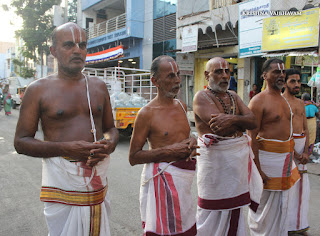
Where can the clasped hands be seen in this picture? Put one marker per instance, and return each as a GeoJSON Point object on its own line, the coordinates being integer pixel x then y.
{"type": "Point", "coordinates": [90, 153]}
{"type": "Point", "coordinates": [220, 122]}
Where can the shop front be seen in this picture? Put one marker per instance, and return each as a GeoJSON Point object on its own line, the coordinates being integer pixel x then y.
{"type": "Point", "coordinates": [295, 40]}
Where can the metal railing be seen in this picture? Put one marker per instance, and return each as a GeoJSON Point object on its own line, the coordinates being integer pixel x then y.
{"type": "Point", "coordinates": [128, 80]}
{"type": "Point", "coordinates": [108, 26]}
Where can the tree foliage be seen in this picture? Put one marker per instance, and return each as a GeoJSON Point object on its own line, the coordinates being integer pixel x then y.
{"type": "Point", "coordinates": [23, 70]}
{"type": "Point", "coordinates": [72, 11]}
{"type": "Point", "coordinates": [37, 25]}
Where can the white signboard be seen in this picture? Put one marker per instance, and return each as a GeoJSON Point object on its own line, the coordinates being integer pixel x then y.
{"type": "Point", "coordinates": [186, 63]}
{"type": "Point", "coordinates": [190, 38]}
{"type": "Point", "coordinates": [251, 16]}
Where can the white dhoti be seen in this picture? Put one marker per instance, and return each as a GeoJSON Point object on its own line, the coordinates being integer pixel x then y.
{"type": "Point", "coordinates": [276, 161]}
{"type": "Point", "coordinates": [166, 204]}
{"type": "Point", "coordinates": [299, 204]}
{"type": "Point", "coordinates": [227, 180]}
{"type": "Point", "coordinates": [75, 197]}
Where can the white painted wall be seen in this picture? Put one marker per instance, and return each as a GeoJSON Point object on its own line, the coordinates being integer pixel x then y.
{"type": "Point", "coordinates": [148, 35]}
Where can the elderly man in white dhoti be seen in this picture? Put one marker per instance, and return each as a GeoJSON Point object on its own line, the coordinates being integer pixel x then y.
{"type": "Point", "coordinates": [79, 135]}
{"type": "Point", "coordinates": [166, 203]}
{"type": "Point", "coordinates": [227, 177]}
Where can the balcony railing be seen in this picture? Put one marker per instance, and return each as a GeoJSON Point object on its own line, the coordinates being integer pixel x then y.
{"type": "Point", "coordinates": [108, 26]}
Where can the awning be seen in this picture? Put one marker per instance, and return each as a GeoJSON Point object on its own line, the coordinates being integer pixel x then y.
{"type": "Point", "coordinates": [105, 55]}
{"type": "Point", "coordinates": [313, 53]}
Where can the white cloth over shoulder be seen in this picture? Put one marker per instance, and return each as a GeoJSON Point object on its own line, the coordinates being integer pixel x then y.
{"type": "Point", "coordinates": [75, 197]}
{"type": "Point", "coordinates": [166, 203]}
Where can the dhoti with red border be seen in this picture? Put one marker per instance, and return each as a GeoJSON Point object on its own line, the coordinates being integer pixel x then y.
{"type": "Point", "coordinates": [299, 202]}
{"type": "Point", "coordinates": [228, 180]}
{"type": "Point", "coordinates": [75, 197]}
{"type": "Point", "coordinates": [166, 204]}
{"type": "Point", "coordinates": [276, 161]}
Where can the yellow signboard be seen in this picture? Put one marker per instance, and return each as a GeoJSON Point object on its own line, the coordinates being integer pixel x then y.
{"type": "Point", "coordinates": [288, 32]}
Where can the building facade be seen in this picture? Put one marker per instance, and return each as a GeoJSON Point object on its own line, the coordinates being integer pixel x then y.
{"type": "Point", "coordinates": [218, 33]}
{"type": "Point", "coordinates": [131, 32]}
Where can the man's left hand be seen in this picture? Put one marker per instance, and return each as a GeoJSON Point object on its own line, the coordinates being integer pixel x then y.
{"type": "Point", "coordinates": [97, 155]}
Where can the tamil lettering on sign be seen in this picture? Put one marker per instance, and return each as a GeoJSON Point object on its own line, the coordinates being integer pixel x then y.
{"type": "Point", "coordinates": [250, 26]}
{"type": "Point", "coordinates": [190, 38]}
{"type": "Point", "coordinates": [288, 32]}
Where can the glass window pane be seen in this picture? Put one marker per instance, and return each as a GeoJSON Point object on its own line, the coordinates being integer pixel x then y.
{"type": "Point", "coordinates": [164, 7]}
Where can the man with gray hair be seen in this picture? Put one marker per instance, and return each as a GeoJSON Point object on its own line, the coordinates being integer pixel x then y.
{"type": "Point", "coordinates": [273, 146]}
{"type": "Point", "coordinates": [166, 203]}
{"type": "Point", "coordinates": [227, 177]}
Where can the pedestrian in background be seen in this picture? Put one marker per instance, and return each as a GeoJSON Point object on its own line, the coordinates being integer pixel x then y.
{"type": "Point", "coordinates": [312, 112]}
{"type": "Point", "coordinates": [6, 100]}
{"type": "Point", "coordinates": [254, 91]}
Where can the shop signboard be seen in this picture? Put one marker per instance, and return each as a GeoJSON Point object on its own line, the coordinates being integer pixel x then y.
{"type": "Point", "coordinates": [186, 63]}
{"type": "Point", "coordinates": [307, 61]}
{"type": "Point", "coordinates": [190, 38]}
{"type": "Point", "coordinates": [250, 26]}
{"type": "Point", "coordinates": [290, 32]}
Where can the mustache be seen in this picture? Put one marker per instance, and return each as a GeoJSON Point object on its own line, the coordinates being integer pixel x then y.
{"type": "Point", "coordinates": [223, 81]}
{"type": "Point", "coordinates": [76, 58]}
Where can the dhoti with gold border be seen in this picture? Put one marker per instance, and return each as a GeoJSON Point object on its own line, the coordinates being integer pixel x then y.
{"type": "Point", "coordinates": [276, 161]}
{"type": "Point", "coordinates": [75, 197]}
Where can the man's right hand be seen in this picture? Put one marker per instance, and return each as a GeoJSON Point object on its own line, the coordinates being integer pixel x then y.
{"type": "Point", "coordinates": [183, 150]}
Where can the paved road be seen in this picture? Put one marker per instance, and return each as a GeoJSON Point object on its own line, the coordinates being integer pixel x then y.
{"type": "Point", "coordinates": [21, 212]}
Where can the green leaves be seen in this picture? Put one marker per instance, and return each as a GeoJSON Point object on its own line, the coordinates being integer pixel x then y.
{"type": "Point", "coordinates": [37, 25]}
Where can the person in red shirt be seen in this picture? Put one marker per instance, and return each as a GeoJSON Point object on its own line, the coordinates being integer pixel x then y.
{"type": "Point", "coordinates": [254, 91]}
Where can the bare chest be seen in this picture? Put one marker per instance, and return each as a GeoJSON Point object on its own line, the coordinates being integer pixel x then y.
{"type": "Point", "coordinates": [67, 104]}
{"type": "Point", "coordinates": [169, 126]}
{"type": "Point", "coordinates": [277, 112]}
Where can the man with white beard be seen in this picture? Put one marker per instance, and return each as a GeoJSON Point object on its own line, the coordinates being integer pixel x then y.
{"type": "Point", "coordinates": [227, 177]}
{"type": "Point", "coordinates": [273, 146]}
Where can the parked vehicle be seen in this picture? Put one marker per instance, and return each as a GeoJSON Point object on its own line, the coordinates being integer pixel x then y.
{"type": "Point", "coordinates": [17, 85]}
{"type": "Point", "coordinates": [129, 89]}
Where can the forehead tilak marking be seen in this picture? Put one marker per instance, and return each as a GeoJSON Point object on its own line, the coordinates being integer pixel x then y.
{"type": "Point", "coordinates": [172, 67]}
{"type": "Point", "coordinates": [80, 35]}
{"type": "Point", "coordinates": [221, 67]}
{"type": "Point", "coordinates": [72, 32]}
{"type": "Point", "coordinates": [279, 66]}
{"type": "Point", "coordinates": [171, 64]}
